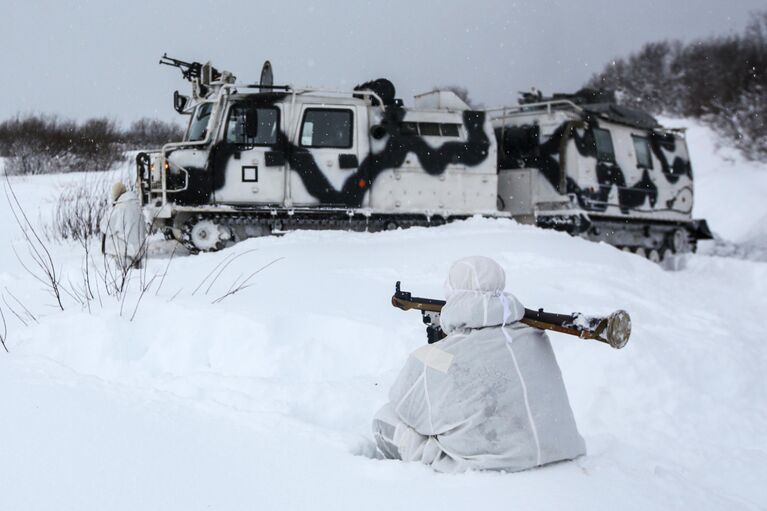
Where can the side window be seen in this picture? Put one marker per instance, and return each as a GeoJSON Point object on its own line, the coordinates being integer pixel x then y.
{"type": "Point", "coordinates": [331, 128]}
{"type": "Point", "coordinates": [642, 149]}
{"type": "Point", "coordinates": [409, 128]}
{"type": "Point", "coordinates": [430, 129]}
{"type": "Point", "coordinates": [604, 144]}
{"type": "Point", "coordinates": [450, 130]}
{"type": "Point", "coordinates": [268, 126]}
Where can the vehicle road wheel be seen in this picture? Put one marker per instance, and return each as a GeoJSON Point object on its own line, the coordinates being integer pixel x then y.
{"type": "Point", "coordinates": [206, 235]}
{"type": "Point", "coordinates": [680, 242]}
{"type": "Point", "coordinates": [641, 252]}
{"type": "Point", "coordinates": [653, 256]}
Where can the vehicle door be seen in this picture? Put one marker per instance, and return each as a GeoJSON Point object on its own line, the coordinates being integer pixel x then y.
{"type": "Point", "coordinates": [249, 162]}
{"type": "Point", "coordinates": [325, 163]}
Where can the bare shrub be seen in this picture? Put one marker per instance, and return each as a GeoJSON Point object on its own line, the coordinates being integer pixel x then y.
{"type": "Point", "coordinates": [43, 268]}
{"type": "Point", "coordinates": [151, 133]}
{"type": "Point", "coordinates": [4, 334]}
{"type": "Point", "coordinates": [77, 217]}
{"type": "Point", "coordinates": [241, 283]}
{"type": "Point", "coordinates": [79, 209]}
{"type": "Point", "coordinates": [42, 144]}
{"type": "Point", "coordinates": [98, 145]}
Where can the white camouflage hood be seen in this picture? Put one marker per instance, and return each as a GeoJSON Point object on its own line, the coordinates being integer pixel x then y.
{"type": "Point", "coordinates": [475, 297]}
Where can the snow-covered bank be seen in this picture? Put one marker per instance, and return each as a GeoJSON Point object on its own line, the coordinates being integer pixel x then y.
{"type": "Point", "coordinates": [730, 193]}
{"type": "Point", "coordinates": [264, 400]}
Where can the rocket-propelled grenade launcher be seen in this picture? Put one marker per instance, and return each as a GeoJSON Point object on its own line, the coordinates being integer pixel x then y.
{"type": "Point", "coordinates": [614, 329]}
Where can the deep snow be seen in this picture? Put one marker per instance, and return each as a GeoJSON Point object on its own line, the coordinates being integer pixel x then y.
{"type": "Point", "coordinates": [264, 400]}
{"type": "Point", "coordinates": [729, 192]}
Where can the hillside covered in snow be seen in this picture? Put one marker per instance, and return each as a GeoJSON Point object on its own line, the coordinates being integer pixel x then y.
{"type": "Point", "coordinates": [176, 396]}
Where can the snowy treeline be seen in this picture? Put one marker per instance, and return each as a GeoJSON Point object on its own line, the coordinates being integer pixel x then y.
{"type": "Point", "coordinates": [41, 144]}
{"type": "Point", "coordinates": [721, 80]}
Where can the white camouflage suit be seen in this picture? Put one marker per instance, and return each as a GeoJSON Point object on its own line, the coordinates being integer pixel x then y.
{"type": "Point", "coordinates": [488, 396]}
{"type": "Point", "coordinates": [124, 228]}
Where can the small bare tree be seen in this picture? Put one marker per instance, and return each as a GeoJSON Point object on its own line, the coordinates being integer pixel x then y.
{"type": "Point", "coordinates": [43, 269]}
{"type": "Point", "coordinates": [79, 209]}
{"type": "Point", "coordinates": [4, 335]}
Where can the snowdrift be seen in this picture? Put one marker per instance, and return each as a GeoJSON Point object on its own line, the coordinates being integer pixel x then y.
{"type": "Point", "coordinates": [263, 400]}
{"type": "Point", "coordinates": [729, 192]}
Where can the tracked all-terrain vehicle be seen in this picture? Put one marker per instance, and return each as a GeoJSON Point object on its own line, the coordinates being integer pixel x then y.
{"type": "Point", "coordinates": [259, 159]}
{"type": "Point", "coordinates": [584, 164]}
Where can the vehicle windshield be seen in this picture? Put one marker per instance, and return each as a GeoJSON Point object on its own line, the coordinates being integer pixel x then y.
{"type": "Point", "coordinates": [198, 126]}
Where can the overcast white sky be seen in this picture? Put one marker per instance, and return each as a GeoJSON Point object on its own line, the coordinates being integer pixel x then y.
{"type": "Point", "coordinates": [99, 58]}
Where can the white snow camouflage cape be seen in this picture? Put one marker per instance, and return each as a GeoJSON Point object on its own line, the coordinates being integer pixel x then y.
{"type": "Point", "coordinates": [488, 396]}
{"type": "Point", "coordinates": [124, 228]}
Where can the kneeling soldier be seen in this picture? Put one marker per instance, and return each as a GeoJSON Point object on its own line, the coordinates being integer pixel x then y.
{"type": "Point", "coordinates": [490, 395]}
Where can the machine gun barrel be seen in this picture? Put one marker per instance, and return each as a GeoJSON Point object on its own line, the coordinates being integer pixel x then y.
{"type": "Point", "coordinates": [614, 329]}
{"type": "Point", "coordinates": [189, 70]}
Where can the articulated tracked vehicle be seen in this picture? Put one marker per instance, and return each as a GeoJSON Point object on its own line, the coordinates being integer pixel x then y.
{"type": "Point", "coordinates": [260, 159]}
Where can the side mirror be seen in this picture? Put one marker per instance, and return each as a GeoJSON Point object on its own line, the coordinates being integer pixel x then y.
{"type": "Point", "coordinates": [251, 123]}
{"type": "Point", "coordinates": [179, 102]}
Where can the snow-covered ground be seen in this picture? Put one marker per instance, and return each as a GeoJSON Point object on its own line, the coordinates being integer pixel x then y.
{"type": "Point", "coordinates": [730, 192]}
{"type": "Point", "coordinates": [264, 400]}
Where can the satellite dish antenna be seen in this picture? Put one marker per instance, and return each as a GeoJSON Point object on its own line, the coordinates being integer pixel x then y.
{"type": "Point", "coordinates": [267, 78]}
